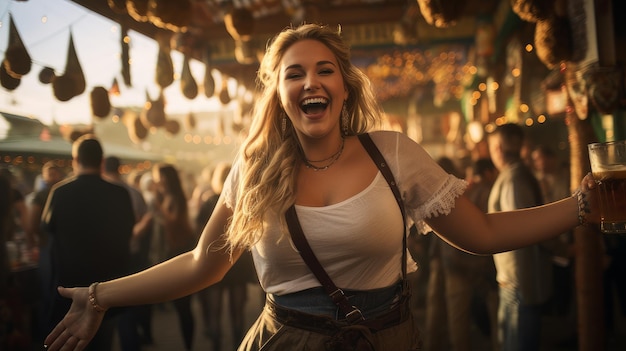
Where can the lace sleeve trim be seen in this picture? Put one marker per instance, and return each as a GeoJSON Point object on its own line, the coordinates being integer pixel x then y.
{"type": "Point", "coordinates": [441, 203]}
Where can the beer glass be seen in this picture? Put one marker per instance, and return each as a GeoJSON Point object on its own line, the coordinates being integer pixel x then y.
{"type": "Point", "coordinates": [608, 165]}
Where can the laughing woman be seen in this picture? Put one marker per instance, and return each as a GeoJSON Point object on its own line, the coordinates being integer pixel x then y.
{"type": "Point", "coordinates": [306, 173]}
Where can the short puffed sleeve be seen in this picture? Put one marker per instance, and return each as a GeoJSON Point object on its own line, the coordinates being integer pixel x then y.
{"type": "Point", "coordinates": [427, 190]}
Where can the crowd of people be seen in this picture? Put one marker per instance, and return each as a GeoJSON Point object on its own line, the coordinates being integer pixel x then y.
{"type": "Point", "coordinates": [314, 162]}
{"type": "Point", "coordinates": [117, 224]}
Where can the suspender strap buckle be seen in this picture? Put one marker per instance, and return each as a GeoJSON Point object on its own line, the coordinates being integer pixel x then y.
{"type": "Point", "coordinates": [337, 295]}
{"type": "Point", "coordinates": [355, 316]}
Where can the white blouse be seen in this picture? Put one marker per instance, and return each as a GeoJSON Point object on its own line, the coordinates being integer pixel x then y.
{"type": "Point", "coordinates": [359, 240]}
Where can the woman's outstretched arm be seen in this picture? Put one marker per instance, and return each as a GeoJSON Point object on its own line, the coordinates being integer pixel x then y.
{"type": "Point", "coordinates": [469, 229]}
{"type": "Point", "coordinates": [172, 279]}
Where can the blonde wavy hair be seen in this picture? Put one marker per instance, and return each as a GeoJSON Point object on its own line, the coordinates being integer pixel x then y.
{"type": "Point", "coordinates": [270, 156]}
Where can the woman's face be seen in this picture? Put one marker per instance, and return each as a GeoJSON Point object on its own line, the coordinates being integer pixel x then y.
{"type": "Point", "coordinates": [311, 88]}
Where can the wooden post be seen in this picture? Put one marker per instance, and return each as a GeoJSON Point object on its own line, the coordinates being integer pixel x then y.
{"type": "Point", "coordinates": [588, 256]}
{"type": "Point", "coordinates": [589, 242]}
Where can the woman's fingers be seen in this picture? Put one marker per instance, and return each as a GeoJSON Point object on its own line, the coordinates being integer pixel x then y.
{"type": "Point", "coordinates": [588, 182]}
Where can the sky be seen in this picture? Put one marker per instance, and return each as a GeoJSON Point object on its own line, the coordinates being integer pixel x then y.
{"type": "Point", "coordinates": [45, 27]}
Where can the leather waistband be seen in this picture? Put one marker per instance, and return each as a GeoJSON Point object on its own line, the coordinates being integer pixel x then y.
{"type": "Point", "coordinates": [326, 325]}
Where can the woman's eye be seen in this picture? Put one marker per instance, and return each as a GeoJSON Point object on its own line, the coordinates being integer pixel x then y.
{"type": "Point", "coordinates": [292, 75]}
{"type": "Point", "coordinates": [326, 71]}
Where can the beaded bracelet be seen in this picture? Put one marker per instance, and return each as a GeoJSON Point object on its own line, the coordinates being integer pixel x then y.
{"type": "Point", "coordinates": [583, 206]}
{"type": "Point", "coordinates": [93, 300]}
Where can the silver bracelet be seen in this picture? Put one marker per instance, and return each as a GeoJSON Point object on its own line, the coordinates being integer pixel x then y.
{"type": "Point", "coordinates": [583, 206]}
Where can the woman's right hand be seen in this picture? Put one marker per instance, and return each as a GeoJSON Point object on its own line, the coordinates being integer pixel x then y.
{"type": "Point", "coordinates": [79, 325]}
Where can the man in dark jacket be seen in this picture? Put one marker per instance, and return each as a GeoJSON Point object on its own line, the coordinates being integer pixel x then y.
{"type": "Point", "coordinates": [89, 223]}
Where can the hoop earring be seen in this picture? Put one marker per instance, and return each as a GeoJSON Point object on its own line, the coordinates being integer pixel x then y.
{"type": "Point", "coordinates": [345, 118]}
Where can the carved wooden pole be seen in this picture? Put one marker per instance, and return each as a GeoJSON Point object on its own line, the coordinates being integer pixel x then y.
{"type": "Point", "coordinates": [588, 256]}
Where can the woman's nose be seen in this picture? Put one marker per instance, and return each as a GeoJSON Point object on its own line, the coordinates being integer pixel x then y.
{"type": "Point", "coordinates": [311, 83]}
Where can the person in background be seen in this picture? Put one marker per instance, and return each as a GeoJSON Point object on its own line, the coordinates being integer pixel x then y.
{"type": "Point", "coordinates": [19, 218]}
{"type": "Point", "coordinates": [524, 275]}
{"type": "Point", "coordinates": [473, 286]}
{"type": "Point", "coordinates": [201, 192]}
{"type": "Point", "coordinates": [36, 239]}
{"type": "Point", "coordinates": [235, 282]}
{"type": "Point", "coordinates": [305, 155]}
{"type": "Point", "coordinates": [50, 175]}
{"type": "Point", "coordinates": [89, 224]}
{"type": "Point", "coordinates": [435, 337]}
{"type": "Point", "coordinates": [157, 244]}
{"type": "Point", "coordinates": [6, 217]}
{"type": "Point", "coordinates": [132, 331]}
{"type": "Point", "coordinates": [134, 178]}
{"type": "Point", "coordinates": [173, 215]}
{"type": "Point", "coordinates": [555, 185]}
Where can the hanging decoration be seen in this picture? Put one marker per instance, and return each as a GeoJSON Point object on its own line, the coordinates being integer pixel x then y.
{"type": "Point", "coordinates": [125, 57]}
{"type": "Point", "coordinates": [239, 23]}
{"type": "Point", "coordinates": [153, 112]}
{"type": "Point", "coordinates": [170, 15]}
{"type": "Point", "coordinates": [137, 9]}
{"type": "Point", "coordinates": [137, 131]}
{"type": "Point", "coordinates": [604, 86]}
{"type": "Point", "coordinates": [224, 96]}
{"type": "Point", "coordinates": [553, 41]}
{"type": "Point", "coordinates": [167, 14]}
{"type": "Point", "coordinates": [442, 13]}
{"type": "Point", "coordinates": [577, 90]}
{"type": "Point", "coordinates": [172, 126]}
{"type": "Point", "coordinates": [46, 75]}
{"type": "Point", "coordinates": [188, 85]}
{"type": "Point", "coordinates": [190, 121]}
{"type": "Point", "coordinates": [533, 10]}
{"type": "Point", "coordinates": [7, 81]}
{"type": "Point", "coordinates": [115, 88]}
{"type": "Point", "coordinates": [17, 61]}
{"type": "Point", "coordinates": [245, 52]}
{"type": "Point", "coordinates": [72, 82]}
{"type": "Point", "coordinates": [164, 66]}
{"type": "Point", "coordinates": [209, 81]}
{"type": "Point", "coordinates": [100, 104]}
{"type": "Point", "coordinates": [405, 31]}
{"type": "Point", "coordinates": [118, 6]}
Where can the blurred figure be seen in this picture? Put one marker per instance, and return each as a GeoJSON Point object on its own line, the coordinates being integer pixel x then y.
{"type": "Point", "coordinates": [471, 286]}
{"type": "Point", "coordinates": [201, 193]}
{"type": "Point", "coordinates": [134, 178]}
{"type": "Point", "coordinates": [555, 185]}
{"type": "Point", "coordinates": [156, 253]}
{"type": "Point", "coordinates": [173, 214]}
{"type": "Point", "coordinates": [434, 335]}
{"type": "Point", "coordinates": [89, 224]}
{"type": "Point", "coordinates": [19, 211]}
{"type": "Point", "coordinates": [524, 275]}
{"type": "Point", "coordinates": [6, 217]}
{"type": "Point", "coordinates": [553, 178]}
{"type": "Point", "coordinates": [234, 284]}
{"type": "Point", "coordinates": [50, 175]}
{"type": "Point", "coordinates": [135, 327]}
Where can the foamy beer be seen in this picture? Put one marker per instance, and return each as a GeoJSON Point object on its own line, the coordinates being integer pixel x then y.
{"type": "Point", "coordinates": [608, 165]}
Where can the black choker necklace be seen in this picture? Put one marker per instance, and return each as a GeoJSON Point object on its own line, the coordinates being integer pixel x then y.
{"type": "Point", "coordinates": [331, 160]}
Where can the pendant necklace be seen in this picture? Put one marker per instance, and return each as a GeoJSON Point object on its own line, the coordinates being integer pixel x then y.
{"type": "Point", "coordinates": [331, 160]}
